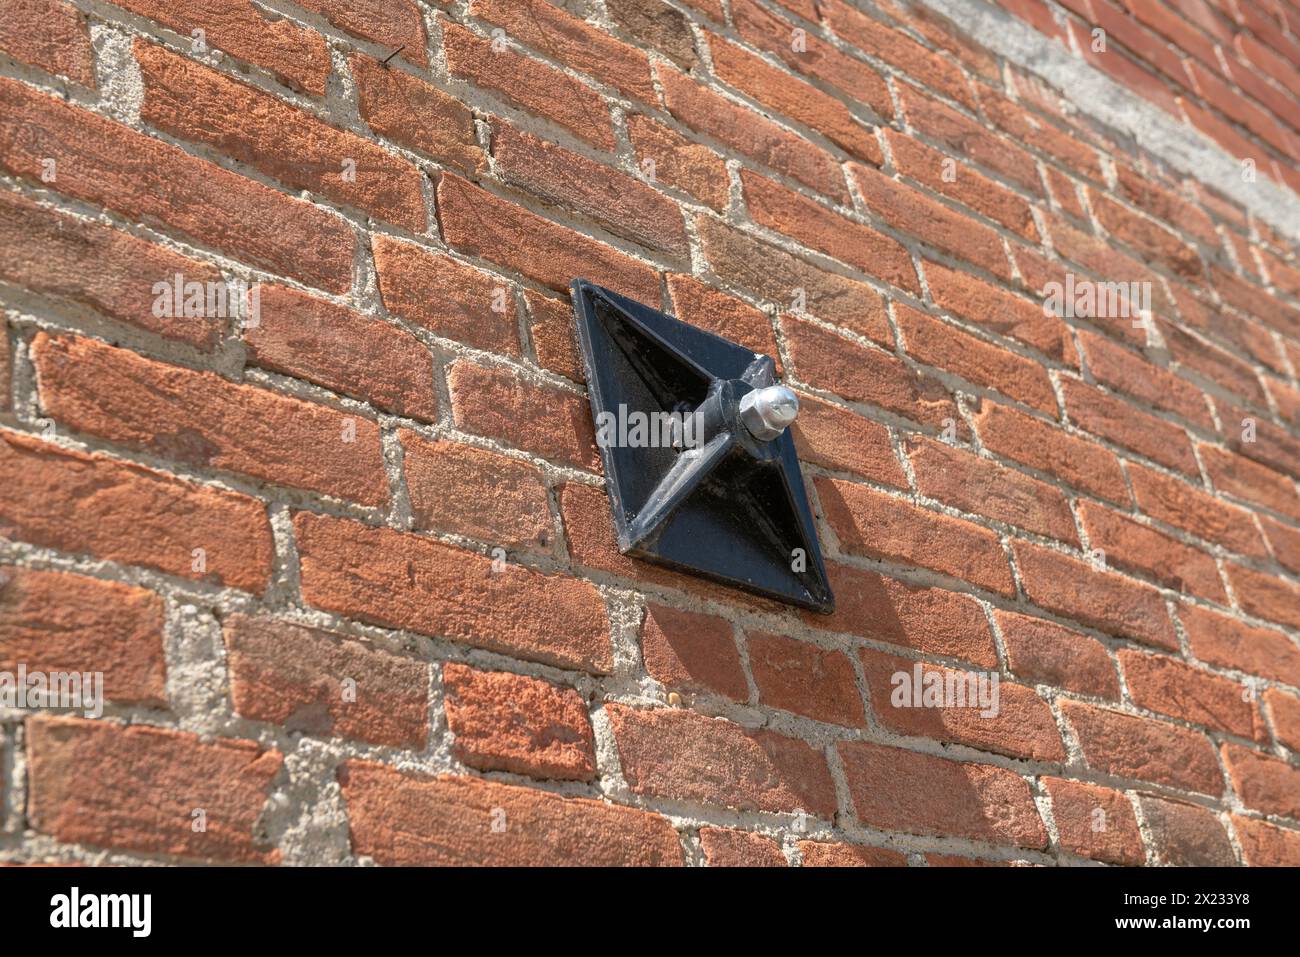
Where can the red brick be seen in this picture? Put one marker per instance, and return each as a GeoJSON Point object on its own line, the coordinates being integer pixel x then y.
{"type": "Point", "coordinates": [723, 315]}
{"type": "Point", "coordinates": [926, 165]}
{"type": "Point", "coordinates": [655, 24]}
{"type": "Point", "coordinates": [1283, 541]}
{"type": "Point", "coordinates": [751, 134]}
{"type": "Point", "coordinates": [529, 83]}
{"type": "Point", "coordinates": [1032, 129]}
{"type": "Point", "coordinates": [1209, 362]}
{"type": "Point", "coordinates": [1123, 371]}
{"type": "Point", "coordinates": [1187, 507]}
{"type": "Point", "coordinates": [872, 523]}
{"type": "Point", "coordinates": [1154, 242]}
{"type": "Point", "coordinates": [1130, 545]}
{"type": "Point", "coordinates": [49, 34]}
{"type": "Point", "coordinates": [681, 756]}
{"type": "Point", "coordinates": [898, 790]}
{"type": "Point", "coordinates": [837, 439]}
{"type": "Point", "coordinates": [997, 310]}
{"type": "Point", "coordinates": [724, 847]}
{"type": "Point", "coordinates": [1244, 112]}
{"type": "Point", "coordinates": [445, 296]}
{"type": "Point", "coordinates": [692, 652]}
{"type": "Point", "coordinates": [538, 419]}
{"type": "Point", "coordinates": [56, 621]}
{"type": "Point", "coordinates": [136, 789]}
{"type": "Point", "coordinates": [6, 365]}
{"type": "Point", "coordinates": [390, 23]}
{"type": "Point", "coordinates": [413, 113]}
{"type": "Point", "coordinates": [551, 330]}
{"type": "Point", "coordinates": [802, 102]}
{"type": "Point", "coordinates": [89, 265]}
{"type": "Point", "coordinates": [1124, 70]}
{"type": "Point", "coordinates": [313, 339]}
{"type": "Point", "coordinates": [939, 344]}
{"type": "Point", "coordinates": [330, 685]}
{"type": "Point", "coordinates": [819, 854]}
{"type": "Point", "coordinates": [201, 419]}
{"type": "Point", "coordinates": [458, 488]}
{"type": "Point", "coordinates": [817, 227]}
{"type": "Point", "coordinates": [781, 278]}
{"type": "Point", "coordinates": [828, 361]}
{"type": "Point", "coordinates": [1271, 444]}
{"type": "Point", "coordinates": [1227, 327]}
{"type": "Point", "coordinates": [1284, 708]}
{"type": "Point", "coordinates": [1123, 423]}
{"type": "Point", "coordinates": [1021, 727]}
{"type": "Point", "coordinates": [508, 722]}
{"type": "Point", "coordinates": [980, 485]}
{"type": "Point", "coordinates": [1100, 256]}
{"type": "Point", "coordinates": [1065, 192]}
{"type": "Point", "coordinates": [1044, 652]}
{"type": "Point", "coordinates": [805, 679]}
{"type": "Point", "coordinates": [1046, 448]}
{"type": "Point", "coordinates": [1111, 835]}
{"type": "Point", "coordinates": [399, 580]}
{"type": "Point", "coordinates": [479, 223]}
{"type": "Point", "coordinates": [1263, 782]}
{"type": "Point", "coordinates": [142, 178]}
{"type": "Point", "coordinates": [818, 58]}
{"type": "Point", "coordinates": [1264, 845]}
{"type": "Point", "coordinates": [1254, 301]}
{"type": "Point", "coordinates": [1186, 835]}
{"type": "Point", "coordinates": [562, 36]}
{"type": "Point", "coordinates": [1266, 596]}
{"type": "Point", "coordinates": [94, 505]}
{"type": "Point", "coordinates": [192, 102]}
{"type": "Point", "coordinates": [1222, 640]}
{"type": "Point", "coordinates": [911, 211]}
{"type": "Point", "coordinates": [679, 162]}
{"type": "Point", "coordinates": [1132, 747]}
{"type": "Point", "coordinates": [1168, 686]}
{"type": "Point", "coordinates": [896, 48]}
{"type": "Point", "coordinates": [404, 819]}
{"type": "Point", "coordinates": [1165, 205]}
{"type": "Point", "coordinates": [1102, 599]}
{"type": "Point", "coordinates": [967, 138]}
{"type": "Point", "coordinates": [623, 205]}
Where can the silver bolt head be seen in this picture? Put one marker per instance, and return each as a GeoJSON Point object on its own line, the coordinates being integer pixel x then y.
{"type": "Point", "coordinates": [768, 412]}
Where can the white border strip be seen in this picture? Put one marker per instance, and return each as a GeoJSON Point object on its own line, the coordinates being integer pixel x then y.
{"type": "Point", "coordinates": [1095, 94]}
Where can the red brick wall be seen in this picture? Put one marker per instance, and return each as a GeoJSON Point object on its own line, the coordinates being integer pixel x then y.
{"type": "Point", "coordinates": [349, 571]}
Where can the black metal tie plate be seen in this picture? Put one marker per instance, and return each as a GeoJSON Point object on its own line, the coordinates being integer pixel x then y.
{"type": "Point", "coordinates": [718, 501]}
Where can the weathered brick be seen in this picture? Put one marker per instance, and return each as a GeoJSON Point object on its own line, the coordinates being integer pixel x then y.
{"type": "Point", "coordinates": [1046, 448]}
{"type": "Point", "coordinates": [508, 722]}
{"type": "Point", "coordinates": [93, 505]}
{"type": "Point", "coordinates": [1284, 708]}
{"type": "Point", "coordinates": [390, 23]}
{"type": "Point", "coordinates": [1168, 686]}
{"type": "Point", "coordinates": [551, 329]}
{"type": "Point", "coordinates": [1131, 747]}
{"type": "Point", "coordinates": [1186, 835]}
{"type": "Point", "coordinates": [658, 25]}
{"type": "Point", "coordinates": [530, 83]}
{"type": "Point", "coordinates": [682, 756]}
{"type": "Point", "coordinates": [726, 847]}
{"type": "Point", "coordinates": [136, 789]}
{"type": "Point", "coordinates": [201, 419]}
{"type": "Point", "coordinates": [480, 223]}
{"type": "Point", "coordinates": [1021, 725]}
{"type": "Point", "coordinates": [1096, 822]}
{"type": "Point", "coordinates": [689, 651]}
{"type": "Point", "coordinates": [49, 34]}
{"type": "Point", "coordinates": [625, 206]}
{"type": "Point", "coordinates": [103, 162]}
{"type": "Point", "coordinates": [873, 523]}
{"type": "Point", "coordinates": [57, 621]}
{"type": "Point", "coordinates": [1047, 653]}
{"type": "Point", "coordinates": [679, 162]}
{"type": "Point", "coordinates": [1221, 640]}
{"type": "Point", "coordinates": [1187, 507]}
{"type": "Point", "coordinates": [538, 419]}
{"type": "Point", "coordinates": [968, 138]}
{"type": "Point", "coordinates": [91, 265]}
{"type": "Point", "coordinates": [1267, 596]}
{"type": "Point", "coordinates": [1264, 845]}
{"type": "Point", "coordinates": [801, 677]}
{"type": "Point", "coordinates": [458, 488]}
{"type": "Point", "coordinates": [791, 282]}
{"type": "Point", "coordinates": [1130, 545]}
{"type": "Point", "coordinates": [817, 227]}
{"type": "Point", "coordinates": [315, 682]}
{"type": "Point", "coordinates": [838, 439]}
{"type": "Point", "coordinates": [404, 819]}
{"type": "Point", "coordinates": [195, 103]}
{"type": "Point", "coordinates": [413, 113]}
{"type": "Point", "coordinates": [703, 306]}
{"type": "Point", "coordinates": [821, 854]}
{"type": "Point", "coordinates": [980, 485]}
{"type": "Point", "coordinates": [1155, 242]}
{"type": "Point", "coordinates": [1283, 541]}
{"type": "Point", "coordinates": [1115, 420]}
{"type": "Point", "coordinates": [1125, 372]}
{"type": "Point", "coordinates": [900, 790]}
{"type": "Point", "coordinates": [1100, 598]}
{"type": "Point", "coordinates": [313, 339]}
{"type": "Point", "coordinates": [408, 581]}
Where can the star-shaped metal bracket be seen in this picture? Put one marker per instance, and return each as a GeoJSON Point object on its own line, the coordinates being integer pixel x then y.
{"type": "Point", "coordinates": [712, 485]}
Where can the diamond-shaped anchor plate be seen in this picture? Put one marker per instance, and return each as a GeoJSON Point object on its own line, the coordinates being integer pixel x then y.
{"type": "Point", "coordinates": [721, 495]}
